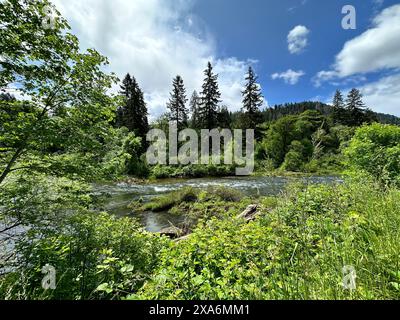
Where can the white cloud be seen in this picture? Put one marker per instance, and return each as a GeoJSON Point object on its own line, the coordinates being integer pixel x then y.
{"type": "Point", "coordinates": [293, 8]}
{"type": "Point", "coordinates": [378, 2]}
{"type": "Point", "coordinates": [17, 93]}
{"type": "Point", "coordinates": [334, 80]}
{"type": "Point", "coordinates": [383, 95]}
{"type": "Point", "coordinates": [290, 76]}
{"type": "Point", "coordinates": [297, 39]}
{"type": "Point", "coordinates": [233, 71]}
{"type": "Point", "coordinates": [323, 76]}
{"type": "Point", "coordinates": [376, 49]}
{"type": "Point", "coordinates": [154, 40]}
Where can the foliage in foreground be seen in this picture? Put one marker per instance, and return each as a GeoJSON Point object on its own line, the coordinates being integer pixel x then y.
{"type": "Point", "coordinates": [296, 251]}
{"type": "Point", "coordinates": [95, 255]}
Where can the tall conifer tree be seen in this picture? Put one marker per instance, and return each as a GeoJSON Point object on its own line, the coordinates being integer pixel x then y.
{"type": "Point", "coordinates": [252, 100]}
{"type": "Point", "coordinates": [354, 100]}
{"type": "Point", "coordinates": [177, 104]}
{"type": "Point", "coordinates": [210, 95]}
{"type": "Point", "coordinates": [134, 111]}
{"type": "Point", "coordinates": [194, 105]}
{"type": "Point", "coordinates": [356, 109]}
{"type": "Point", "coordinates": [339, 112]}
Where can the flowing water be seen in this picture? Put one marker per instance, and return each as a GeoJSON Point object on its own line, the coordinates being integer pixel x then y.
{"type": "Point", "coordinates": [119, 196]}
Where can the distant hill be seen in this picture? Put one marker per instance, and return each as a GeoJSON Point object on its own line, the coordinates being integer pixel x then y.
{"type": "Point", "coordinates": [388, 118]}
{"type": "Point", "coordinates": [282, 110]}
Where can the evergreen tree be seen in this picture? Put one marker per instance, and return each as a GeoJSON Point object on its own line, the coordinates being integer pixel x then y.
{"type": "Point", "coordinates": [119, 118]}
{"type": "Point", "coordinates": [194, 105]}
{"type": "Point", "coordinates": [134, 111]}
{"type": "Point", "coordinates": [177, 104]}
{"type": "Point", "coordinates": [208, 111]}
{"type": "Point", "coordinates": [338, 111]}
{"type": "Point", "coordinates": [126, 86]}
{"type": "Point", "coordinates": [355, 108]}
{"type": "Point", "coordinates": [7, 97]}
{"type": "Point", "coordinates": [252, 100]}
{"type": "Point", "coordinates": [338, 101]}
{"type": "Point", "coordinates": [224, 118]}
{"type": "Point", "coordinates": [141, 114]}
{"type": "Point", "coordinates": [125, 112]}
{"type": "Point", "coordinates": [354, 100]}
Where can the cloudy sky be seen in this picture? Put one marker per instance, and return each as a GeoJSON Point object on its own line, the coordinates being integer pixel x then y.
{"type": "Point", "coordinates": [298, 47]}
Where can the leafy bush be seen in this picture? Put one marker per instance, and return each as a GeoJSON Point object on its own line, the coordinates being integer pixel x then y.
{"type": "Point", "coordinates": [94, 255]}
{"type": "Point", "coordinates": [264, 166]}
{"type": "Point", "coordinates": [327, 164]}
{"type": "Point", "coordinates": [376, 150]}
{"type": "Point", "coordinates": [52, 221]}
{"type": "Point", "coordinates": [224, 194]}
{"type": "Point", "coordinates": [299, 153]}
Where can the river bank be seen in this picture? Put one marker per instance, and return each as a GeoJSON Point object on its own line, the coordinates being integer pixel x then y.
{"type": "Point", "coordinates": [116, 197]}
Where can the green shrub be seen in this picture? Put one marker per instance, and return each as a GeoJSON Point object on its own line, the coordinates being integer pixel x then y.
{"type": "Point", "coordinates": [94, 255]}
{"type": "Point", "coordinates": [189, 195]}
{"type": "Point", "coordinates": [375, 149]}
{"type": "Point", "coordinates": [299, 153]}
{"type": "Point", "coordinates": [223, 193]}
{"type": "Point", "coordinates": [123, 156]}
{"type": "Point", "coordinates": [327, 163]}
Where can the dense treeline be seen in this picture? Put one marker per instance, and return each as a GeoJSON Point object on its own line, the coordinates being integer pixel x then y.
{"type": "Point", "coordinates": [351, 112]}
{"type": "Point", "coordinates": [204, 110]}
{"type": "Point", "coordinates": [306, 136]}
{"type": "Point", "coordinates": [279, 111]}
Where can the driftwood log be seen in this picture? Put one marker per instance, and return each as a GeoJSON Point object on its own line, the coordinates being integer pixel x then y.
{"type": "Point", "coordinates": [182, 238]}
{"type": "Point", "coordinates": [175, 233]}
{"type": "Point", "coordinates": [249, 214]}
{"type": "Point", "coordinates": [171, 232]}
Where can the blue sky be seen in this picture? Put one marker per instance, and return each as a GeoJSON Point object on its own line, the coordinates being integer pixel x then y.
{"type": "Point", "coordinates": [258, 29]}
{"type": "Point", "coordinates": [157, 39]}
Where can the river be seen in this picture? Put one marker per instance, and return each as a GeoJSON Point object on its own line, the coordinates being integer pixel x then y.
{"type": "Point", "coordinates": [118, 196]}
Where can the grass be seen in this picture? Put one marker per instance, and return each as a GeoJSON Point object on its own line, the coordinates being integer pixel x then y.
{"type": "Point", "coordinates": [166, 202]}
{"type": "Point", "coordinates": [189, 195]}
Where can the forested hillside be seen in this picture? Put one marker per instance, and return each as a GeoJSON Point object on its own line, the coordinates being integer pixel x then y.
{"type": "Point", "coordinates": [278, 111]}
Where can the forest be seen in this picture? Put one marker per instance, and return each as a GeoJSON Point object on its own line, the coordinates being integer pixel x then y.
{"type": "Point", "coordinates": [68, 131]}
